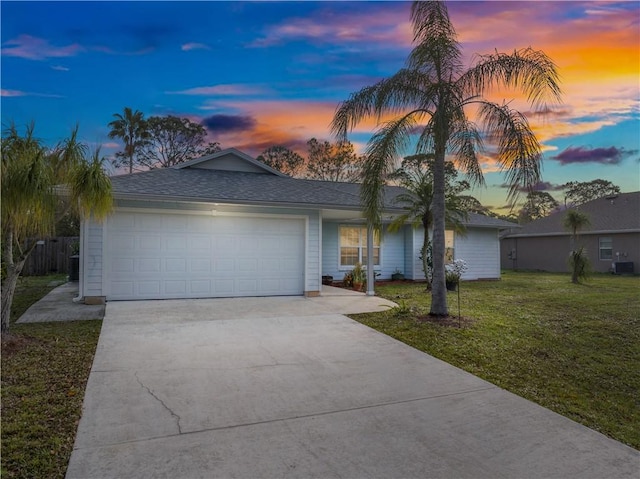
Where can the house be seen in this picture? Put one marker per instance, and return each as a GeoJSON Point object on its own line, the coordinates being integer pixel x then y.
{"type": "Point", "coordinates": [612, 240]}
{"type": "Point", "coordinates": [226, 225]}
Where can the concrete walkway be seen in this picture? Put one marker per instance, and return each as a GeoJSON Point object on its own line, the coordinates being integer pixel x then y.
{"type": "Point", "coordinates": [288, 387]}
{"type": "Point", "coordinates": [58, 305]}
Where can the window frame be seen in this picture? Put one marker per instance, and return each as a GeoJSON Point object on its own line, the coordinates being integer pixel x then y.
{"type": "Point", "coordinates": [362, 245]}
{"type": "Point", "coordinates": [600, 248]}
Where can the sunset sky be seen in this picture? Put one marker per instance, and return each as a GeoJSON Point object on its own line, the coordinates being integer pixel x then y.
{"type": "Point", "coordinates": [262, 74]}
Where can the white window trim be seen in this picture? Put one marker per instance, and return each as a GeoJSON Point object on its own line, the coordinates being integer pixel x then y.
{"type": "Point", "coordinates": [600, 258]}
{"type": "Point", "coordinates": [341, 267]}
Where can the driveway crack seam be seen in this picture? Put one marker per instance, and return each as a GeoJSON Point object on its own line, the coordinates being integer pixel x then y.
{"type": "Point", "coordinates": [150, 391]}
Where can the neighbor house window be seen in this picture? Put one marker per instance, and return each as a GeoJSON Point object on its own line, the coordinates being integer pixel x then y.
{"type": "Point", "coordinates": [448, 246]}
{"type": "Point", "coordinates": [605, 248]}
{"type": "Point", "coordinates": [353, 246]}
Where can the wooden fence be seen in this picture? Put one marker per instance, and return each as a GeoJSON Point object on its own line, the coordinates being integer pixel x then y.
{"type": "Point", "coordinates": [51, 256]}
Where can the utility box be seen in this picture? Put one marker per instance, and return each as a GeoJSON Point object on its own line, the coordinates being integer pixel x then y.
{"type": "Point", "coordinates": [623, 267]}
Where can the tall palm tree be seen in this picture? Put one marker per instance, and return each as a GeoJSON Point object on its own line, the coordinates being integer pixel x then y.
{"type": "Point", "coordinates": [34, 179]}
{"type": "Point", "coordinates": [433, 94]}
{"type": "Point", "coordinates": [574, 221]}
{"type": "Point", "coordinates": [416, 176]}
{"type": "Point", "coordinates": [131, 128]}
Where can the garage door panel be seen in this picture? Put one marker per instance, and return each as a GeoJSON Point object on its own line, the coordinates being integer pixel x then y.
{"type": "Point", "coordinates": [200, 287]}
{"type": "Point", "coordinates": [224, 266]}
{"type": "Point", "coordinates": [175, 265]}
{"type": "Point", "coordinates": [175, 243]}
{"type": "Point", "coordinates": [124, 242]}
{"type": "Point", "coordinates": [153, 256]}
{"type": "Point", "coordinates": [224, 287]}
{"type": "Point", "coordinates": [149, 265]}
{"type": "Point", "coordinates": [200, 243]}
{"type": "Point", "coordinates": [150, 244]}
{"type": "Point", "coordinates": [201, 266]}
{"type": "Point", "coordinates": [149, 287]}
{"type": "Point", "coordinates": [123, 265]}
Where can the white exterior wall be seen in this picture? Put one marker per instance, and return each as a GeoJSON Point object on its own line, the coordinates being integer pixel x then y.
{"type": "Point", "coordinates": [480, 249]}
{"type": "Point", "coordinates": [92, 258]}
{"type": "Point", "coordinates": [392, 252]}
{"type": "Point", "coordinates": [314, 253]}
{"type": "Point", "coordinates": [418, 238]}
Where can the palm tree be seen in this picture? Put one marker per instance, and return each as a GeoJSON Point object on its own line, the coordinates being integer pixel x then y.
{"type": "Point", "coordinates": [132, 129]}
{"type": "Point", "coordinates": [432, 95]}
{"type": "Point", "coordinates": [416, 176]}
{"type": "Point", "coordinates": [574, 221]}
{"type": "Point", "coordinates": [34, 179]}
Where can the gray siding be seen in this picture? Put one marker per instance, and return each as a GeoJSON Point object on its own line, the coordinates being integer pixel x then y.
{"type": "Point", "coordinates": [551, 253]}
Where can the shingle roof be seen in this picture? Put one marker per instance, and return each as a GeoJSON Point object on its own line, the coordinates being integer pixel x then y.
{"type": "Point", "coordinates": [612, 214]}
{"type": "Point", "coordinates": [193, 184]}
{"type": "Point", "coordinates": [483, 221]}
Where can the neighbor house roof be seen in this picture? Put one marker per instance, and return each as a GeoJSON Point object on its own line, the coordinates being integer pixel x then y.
{"type": "Point", "coordinates": [613, 214]}
{"type": "Point", "coordinates": [482, 221]}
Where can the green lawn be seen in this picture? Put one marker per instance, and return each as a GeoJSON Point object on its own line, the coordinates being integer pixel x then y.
{"type": "Point", "coordinates": [45, 368]}
{"type": "Point", "coordinates": [574, 349]}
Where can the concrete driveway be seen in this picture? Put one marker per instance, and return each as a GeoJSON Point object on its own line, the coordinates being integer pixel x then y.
{"type": "Point", "coordinates": [288, 387]}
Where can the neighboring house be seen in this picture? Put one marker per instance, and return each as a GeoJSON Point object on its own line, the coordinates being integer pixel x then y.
{"type": "Point", "coordinates": [612, 240]}
{"type": "Point", "coordinates": [226, 225]}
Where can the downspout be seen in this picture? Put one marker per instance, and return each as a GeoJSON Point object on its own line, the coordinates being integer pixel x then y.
{"type": "Point", "coordinates": [83, 236]}
{"type": "Point", "coordinates": [370, 272]}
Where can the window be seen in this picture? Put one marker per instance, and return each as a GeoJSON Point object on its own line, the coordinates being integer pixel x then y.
{"type": "Point", "coordinates": [353, 246]}
{"type": "Point", "coordinates": [448, 246]}
{"type": "Point", "coordinates": [605, 248]}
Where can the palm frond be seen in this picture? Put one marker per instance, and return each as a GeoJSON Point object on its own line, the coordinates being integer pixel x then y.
{"type": "Point", "coordinates": [465, 143]}
{"type": "Point", "coordinates": [90, 188]}
{"type": "Point", "coordinates": [531, 71]}
{"type": "Point", "coordinates": [27, 195]}
{"type": "Point", "coordinates": [382, 150]}
{"type": "Point", "coordinates": [519, 152]}
{"type": "Point", "coordinates": [431, 20]}
{"type": "Point", "coordinates": [393, 95]}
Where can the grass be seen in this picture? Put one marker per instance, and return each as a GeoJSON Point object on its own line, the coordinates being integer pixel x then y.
{"type": "Point", "coordinates": [574, 349]}
{"type": "Point", "coordinates": [45, 367]}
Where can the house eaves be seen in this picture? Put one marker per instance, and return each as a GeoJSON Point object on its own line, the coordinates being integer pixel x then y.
{"type": "Point", "coordinates": [277, 204]}
{"type": "Point", "coordinates": [566, 233]}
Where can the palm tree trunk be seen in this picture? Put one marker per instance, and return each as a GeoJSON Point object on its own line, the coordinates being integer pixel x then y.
{"type": "Point", "coordinates": [9, 283]}
{"type": "Point", "coordinates": [425, 253]}
{"type": "Point", "coordinates": [14, 268]}
{"type": "Point", "coordinates": [439, 291]}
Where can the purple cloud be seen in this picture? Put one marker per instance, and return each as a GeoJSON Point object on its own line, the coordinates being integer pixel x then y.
{"type": "Point", "coordinates": [194, 46]}
{"type": "Point", "coordinates": [226, 123]}
{"type": "Point", "coordinates": [14, 93]}
{"type": "Point", "coordinates": [33, 48]}
{"type": "Point", "coordinates": [604, 156]}
{"type": "Point", "coordinates": [539, 186]}
{"type": "Point", "coordinates": [7, 93]}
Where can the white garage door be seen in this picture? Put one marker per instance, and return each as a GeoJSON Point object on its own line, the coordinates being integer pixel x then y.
{"type": "Point", "coordinates": [155, 256]}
